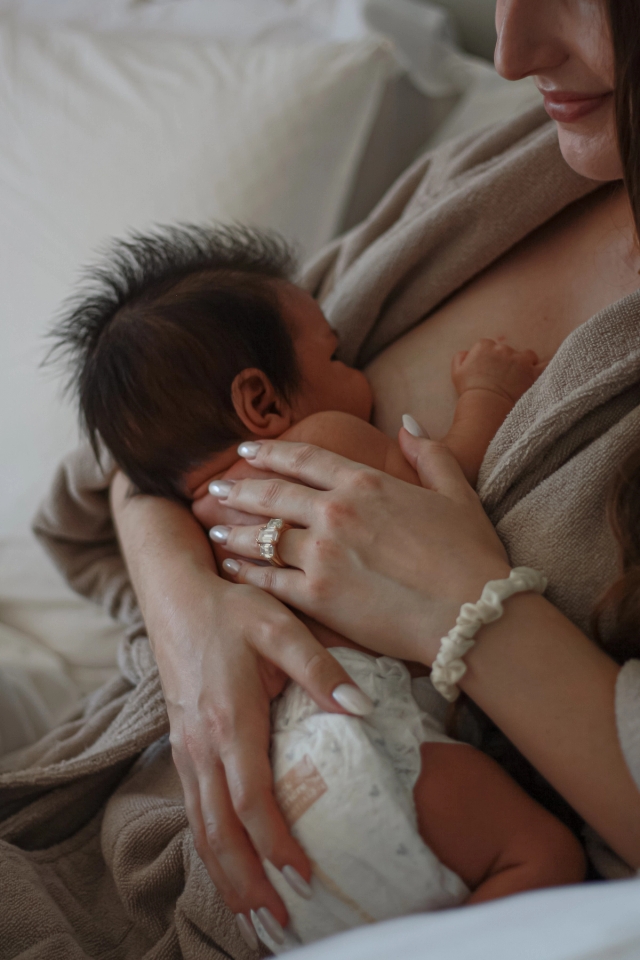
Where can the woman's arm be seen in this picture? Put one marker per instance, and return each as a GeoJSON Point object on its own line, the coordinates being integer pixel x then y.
{"type": "Point", "coordinates": [219, 648]}
{"type": "Point", "coordinates": [389, 565]}
{"type": "Point", "coordinates": [552, 691]}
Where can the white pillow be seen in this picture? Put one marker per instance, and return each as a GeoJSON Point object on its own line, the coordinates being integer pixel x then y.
{"type": "Point", "coordinates": [104, 134]}
{"type": "Point", "coordinates": [234, 20]}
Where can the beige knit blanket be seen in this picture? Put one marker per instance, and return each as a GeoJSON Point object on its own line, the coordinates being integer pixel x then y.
{"type": "Point", "coordinates": [96, 859]}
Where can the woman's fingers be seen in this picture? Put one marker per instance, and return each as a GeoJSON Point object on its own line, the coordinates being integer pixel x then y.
{"type": "Point", "coordinates": [210, 511]}
{"type": "Point", "coordinates": [269, 498]}
{"type": "Point", "coordinates": [287, 643]}
{"type": "Point", "coordinates": [230, 850]}
{"type": "Point", "coordinates": [193, 809]}
{"type": "Point", "coordinates": [227, 849]}
{"type": "Point", "coordinates": [301, 461]}
{"type": "Point", "coordinates": [282, 582]}
{"type": "Point", "coordinates": [242, 540]}
{"type": "Point", "coordinates": [250, 785]}
{"type": "Point", "coordinates": [436, 466]}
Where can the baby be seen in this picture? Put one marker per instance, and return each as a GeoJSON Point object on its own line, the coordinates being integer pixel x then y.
{"type": "Point", "coordinates": [193, 340]}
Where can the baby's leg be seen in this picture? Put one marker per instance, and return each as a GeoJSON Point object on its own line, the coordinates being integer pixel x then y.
{"type": "Point", "coordinates": [485, 828]}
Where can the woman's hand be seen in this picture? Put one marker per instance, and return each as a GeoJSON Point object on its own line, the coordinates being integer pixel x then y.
{"type": "Point", "coordinates": [389, 564]}
{"type": "Point", "coordinates": [223, 652]}
{"type": "Point", "coordinates": [383, 562]}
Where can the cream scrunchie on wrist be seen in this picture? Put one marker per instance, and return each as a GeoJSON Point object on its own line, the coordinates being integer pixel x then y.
{"type": "Point", "coordinates": [448, 667]}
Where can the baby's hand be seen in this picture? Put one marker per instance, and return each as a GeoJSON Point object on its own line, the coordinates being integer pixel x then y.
{"type": "Point", "coordinates": [494, 366]}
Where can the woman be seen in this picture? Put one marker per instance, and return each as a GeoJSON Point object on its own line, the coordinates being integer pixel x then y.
{"type": "Point", "coordinates": [367, 540]}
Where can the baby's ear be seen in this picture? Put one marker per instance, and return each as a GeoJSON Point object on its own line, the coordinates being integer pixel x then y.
{"type": "Point", "coordinates": [258, 405]}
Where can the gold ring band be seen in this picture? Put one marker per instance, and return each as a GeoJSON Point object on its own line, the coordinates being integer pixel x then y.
{"type": "Point", "coordinates": [267, 540]}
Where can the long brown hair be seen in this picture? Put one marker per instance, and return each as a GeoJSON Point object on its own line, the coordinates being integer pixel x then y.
{"type": "Point", "coordinates": [621, 602]}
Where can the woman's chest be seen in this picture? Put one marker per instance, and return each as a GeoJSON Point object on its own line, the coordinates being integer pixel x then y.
{"type": "Point", "coordinates": [534, 296]}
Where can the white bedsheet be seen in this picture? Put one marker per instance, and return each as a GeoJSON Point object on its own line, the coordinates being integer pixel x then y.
{"type": "Point", "coordinates": [598, 921]}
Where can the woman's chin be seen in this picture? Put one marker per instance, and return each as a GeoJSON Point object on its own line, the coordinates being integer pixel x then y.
{"type": "Point", "coordinates": [593, 153]}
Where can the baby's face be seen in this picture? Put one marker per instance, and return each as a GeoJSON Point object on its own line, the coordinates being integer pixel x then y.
{"type": "Point", "coordinates": [326, 383]}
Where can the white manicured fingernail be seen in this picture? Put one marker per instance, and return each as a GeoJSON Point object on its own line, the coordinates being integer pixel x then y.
{"type": "Point", "coordinates": [412, 426]}
{"type": "Point", "coordinates": [266, 919]}
{"type": "Point", "coordinates": [297, 883]}
{"type": "Point", "coordinates": [231, 566]}
{"type": "Point", "coordinates": [249, 449]}
{"type": "Point", "coordinates": [221, 488]}
{"type": "Point", "coordinates": [220, 534]}
{"type": "Point", "coordinates": [353, 700]}
{"type": "Point", "coordinates": [247, 932]}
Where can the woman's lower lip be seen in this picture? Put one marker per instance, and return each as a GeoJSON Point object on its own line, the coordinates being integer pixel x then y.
{"type": "Point", "coordinates": [570, 111]}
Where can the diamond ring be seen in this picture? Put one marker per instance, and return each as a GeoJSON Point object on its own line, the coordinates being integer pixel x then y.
{"type": "Point", "coordinates": [267, 540]}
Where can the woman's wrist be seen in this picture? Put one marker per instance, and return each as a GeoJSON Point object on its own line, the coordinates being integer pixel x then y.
{"type": "Point", "coordinates": [168, 555]}
{"type": "Point", "coordinates": [529, 621]}
{"type": "Point", "coordinates": [449, 666]}
{"type": "Point", "coordinates": [467, 589]}
{"type": "Point", "coordinates": [178, 590]}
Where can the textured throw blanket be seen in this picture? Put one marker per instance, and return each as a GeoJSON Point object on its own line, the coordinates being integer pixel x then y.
{"type": "Point", "coordinates": [96, 859]}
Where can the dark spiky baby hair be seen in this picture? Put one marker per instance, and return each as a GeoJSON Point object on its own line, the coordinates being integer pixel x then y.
{"type": "Point", "coordinates": [156, 334]}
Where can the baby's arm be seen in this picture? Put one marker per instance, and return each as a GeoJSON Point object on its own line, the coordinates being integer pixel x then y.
{"type": "Point", "coordinates": [490, 378]}
{"type": "Point", "coordinates": [485, 828]}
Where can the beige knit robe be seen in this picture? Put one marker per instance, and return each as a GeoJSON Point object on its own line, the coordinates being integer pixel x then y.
{"type": "Point", "coordinates": [96, 859]}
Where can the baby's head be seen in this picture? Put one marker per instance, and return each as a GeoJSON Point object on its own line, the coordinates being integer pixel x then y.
{"type": "Point", "coordinates": [187, 341]}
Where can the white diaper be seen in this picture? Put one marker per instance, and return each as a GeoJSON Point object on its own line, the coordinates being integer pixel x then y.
{"type": "Point", "coordinates": [345, 786]}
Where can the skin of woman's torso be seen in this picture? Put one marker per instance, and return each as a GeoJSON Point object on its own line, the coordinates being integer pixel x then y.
{"type": "Point", "coordinates": [534, 296]}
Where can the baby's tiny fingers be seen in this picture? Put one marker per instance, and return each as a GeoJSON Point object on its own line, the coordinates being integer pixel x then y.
{"type": "Point", "coordinates": [530, 356]}
{"type": "Point", "coordinates": [460, 356]}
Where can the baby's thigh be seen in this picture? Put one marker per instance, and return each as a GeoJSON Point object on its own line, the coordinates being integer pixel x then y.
{"type": "Point", "coordinates": [451, 797]}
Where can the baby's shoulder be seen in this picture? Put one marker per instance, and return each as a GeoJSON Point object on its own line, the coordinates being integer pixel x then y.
{"type": "Point", "coordinates": [344, 434]}
{"type": "Point", "coordinates": [336, 431]}
{"type": "Point", "coordinates": [326, 424]}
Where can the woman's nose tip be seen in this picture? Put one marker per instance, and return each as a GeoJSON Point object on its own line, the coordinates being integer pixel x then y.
{"type": "Point", "coordinates": [530, 38]}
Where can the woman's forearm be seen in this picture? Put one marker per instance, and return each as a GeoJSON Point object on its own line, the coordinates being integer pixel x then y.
{"type": "Point", "coordinates": [162, 544]}
{"type": "Point", "coordinates": [552, 692]}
